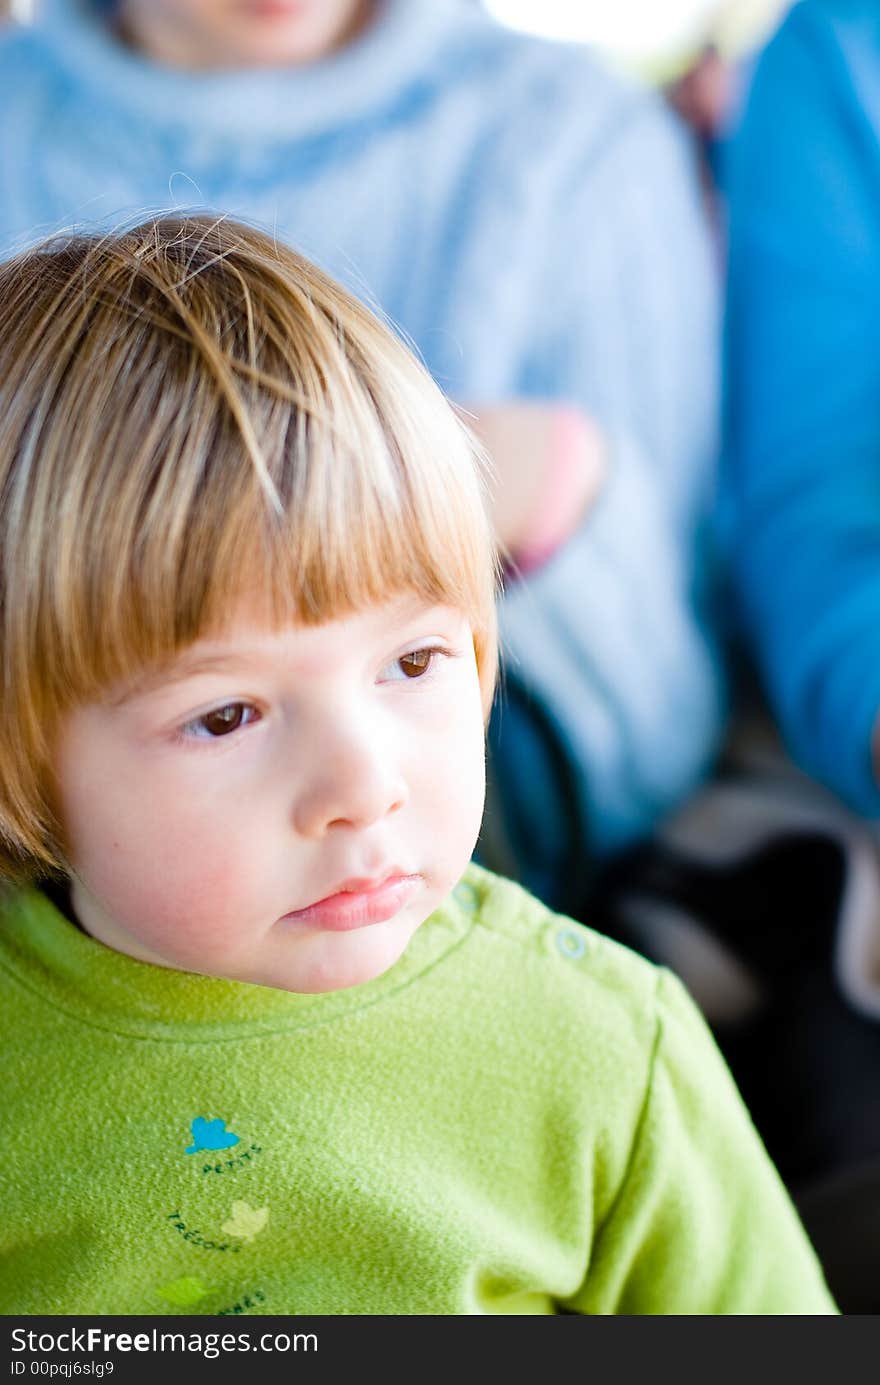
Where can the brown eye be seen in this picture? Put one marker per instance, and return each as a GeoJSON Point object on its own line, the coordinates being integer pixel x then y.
{"type": "Point", "coordinates": [417, 662]}
{"type": "Point", "coordinates": [224, 719]}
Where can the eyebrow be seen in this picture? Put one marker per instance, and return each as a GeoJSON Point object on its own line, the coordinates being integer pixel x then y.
{"type": "Point", "coordinates": [167, 675]}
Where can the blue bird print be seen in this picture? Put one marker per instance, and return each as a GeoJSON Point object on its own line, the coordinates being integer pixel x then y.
{"type": "Point", "coordinates": [210, 1135]}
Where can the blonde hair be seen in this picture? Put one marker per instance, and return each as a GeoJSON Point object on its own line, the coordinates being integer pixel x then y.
{"type": "Point", "coordinates": [189, 413]}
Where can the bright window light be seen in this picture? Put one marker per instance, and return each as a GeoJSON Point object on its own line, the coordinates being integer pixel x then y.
{"type": "Point", "coordinates": [642, 29]}
{"type": "Point", "coordinates": [627, 26]}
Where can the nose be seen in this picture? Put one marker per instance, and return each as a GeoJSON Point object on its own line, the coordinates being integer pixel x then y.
{"type": "Point", "coordinates": [354, 783]}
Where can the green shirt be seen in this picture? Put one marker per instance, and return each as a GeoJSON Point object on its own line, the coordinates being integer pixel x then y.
{"type": "Point", "coordinates": [519, 1116]}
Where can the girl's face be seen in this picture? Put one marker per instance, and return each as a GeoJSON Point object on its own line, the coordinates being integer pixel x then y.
{"type": "Point", "coordinates": [240, 33]}
{"type": "Point", "coordinates": [207, 811]}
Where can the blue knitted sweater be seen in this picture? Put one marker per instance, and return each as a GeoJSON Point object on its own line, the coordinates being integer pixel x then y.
{"type": "Point", "coordinates": [803, 178]}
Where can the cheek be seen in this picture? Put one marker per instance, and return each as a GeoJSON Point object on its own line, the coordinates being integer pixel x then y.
{"type": "Point", "coordinates": [451, 780]}
{"type": "Point", "coordinates": [152, 859]}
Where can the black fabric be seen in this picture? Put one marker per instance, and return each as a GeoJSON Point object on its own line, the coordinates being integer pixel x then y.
{"type": "Point", "coordinates": [842, 1218]}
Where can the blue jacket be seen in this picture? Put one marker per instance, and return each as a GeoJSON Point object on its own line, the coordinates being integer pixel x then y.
{"type": "Point", "coordinates": [533, 224]}
{"type": "Point", "coordinates": [803, 181]}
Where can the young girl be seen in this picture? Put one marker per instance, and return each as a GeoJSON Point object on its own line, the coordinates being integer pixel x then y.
{"type": "Point", "coordinates": [533, 224]}
{"type": "Point", "coordinates": [269, 1043]}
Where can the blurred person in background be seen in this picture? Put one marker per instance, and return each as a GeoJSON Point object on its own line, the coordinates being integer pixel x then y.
{"type": "Point", "coordinates": [805, 385]}
{"type": "Point", "coordinates": [802, 182]}
{"type": "Point", "coordinates": [533, 224]}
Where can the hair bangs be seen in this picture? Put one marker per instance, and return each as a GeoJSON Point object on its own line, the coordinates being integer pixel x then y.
{"type": "Point", "coordinates": [192, 416]}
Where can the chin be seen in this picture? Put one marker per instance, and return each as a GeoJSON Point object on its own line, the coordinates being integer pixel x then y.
{"type": "Point", "coordinates": [324, 984]}
{"type": "Point", "coordinates": [347, 960]}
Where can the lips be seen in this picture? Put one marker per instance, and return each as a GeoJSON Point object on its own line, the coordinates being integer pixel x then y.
{"type": "Point", "coordinates": [360, 902]}
{"type": "Point", "coordinates": [273, 9]}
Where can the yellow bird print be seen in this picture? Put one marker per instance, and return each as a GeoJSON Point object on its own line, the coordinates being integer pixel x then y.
{"type": "Point", "coordinates": [246, 1221]}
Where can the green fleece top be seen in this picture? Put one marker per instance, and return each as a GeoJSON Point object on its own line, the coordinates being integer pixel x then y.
{"type": "Point", "coordinates": [520, 1116]}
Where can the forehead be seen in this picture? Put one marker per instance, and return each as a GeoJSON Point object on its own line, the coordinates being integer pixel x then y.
{"type": "Point", "coordinates": [248, 641]}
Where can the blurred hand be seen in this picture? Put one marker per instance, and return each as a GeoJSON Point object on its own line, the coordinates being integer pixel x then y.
{"type": "Point", "coordinates": [549, 463]}
{"type": "Point", "coordinates": [704, 95]}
